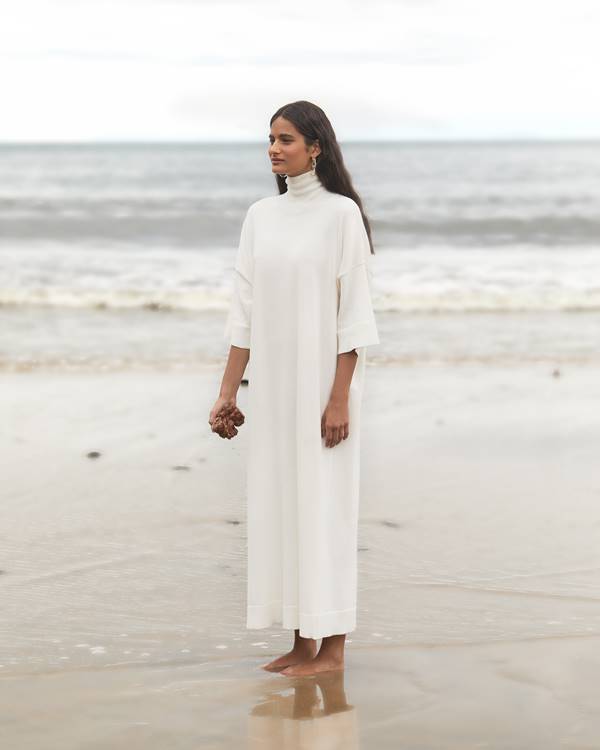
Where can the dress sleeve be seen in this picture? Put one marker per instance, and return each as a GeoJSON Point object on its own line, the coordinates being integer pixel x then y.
{"type": "Point", "coordinates": [356, 326]}
{"type": "Point", "coordinates": [237, 327]}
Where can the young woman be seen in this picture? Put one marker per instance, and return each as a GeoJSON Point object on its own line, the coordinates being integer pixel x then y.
{"type": "Point", "coordinates": [301, 314]}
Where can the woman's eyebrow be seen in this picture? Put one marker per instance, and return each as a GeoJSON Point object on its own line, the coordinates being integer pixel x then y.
{"type": "Point", "coordinates": [289, 135]}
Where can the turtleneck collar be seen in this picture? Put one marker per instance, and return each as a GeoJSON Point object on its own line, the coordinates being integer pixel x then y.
{"type": "Point", "coordinates": [303, 185]}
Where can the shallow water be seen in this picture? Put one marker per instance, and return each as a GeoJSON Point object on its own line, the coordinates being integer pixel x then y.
{"type": "Point", "coordinates": [479, 516]}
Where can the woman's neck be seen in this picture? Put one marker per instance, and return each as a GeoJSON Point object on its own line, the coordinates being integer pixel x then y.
{"type": "Point", "coordinates": [303, 185]}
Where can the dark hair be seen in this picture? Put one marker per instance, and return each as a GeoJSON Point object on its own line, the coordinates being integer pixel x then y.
{"type": "Point", "coordinates": [313, 124]}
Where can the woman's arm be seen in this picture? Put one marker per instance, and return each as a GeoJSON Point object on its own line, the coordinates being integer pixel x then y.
{"type": "Point", "coordinates": [232, 377]}
{"type": "Point", "coordinates": [234, 372]}
{"type": "Point", "coordinates": [335, 420]}
{"type": "Point", "coordinates": [346, 363]}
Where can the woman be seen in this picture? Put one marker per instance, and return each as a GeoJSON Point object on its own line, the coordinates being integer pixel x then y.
{"type": "Point", "coordinates": [301, 313]}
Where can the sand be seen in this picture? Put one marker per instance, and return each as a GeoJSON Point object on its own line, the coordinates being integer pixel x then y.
{"type": "Point", "coordinates": [123, 576]}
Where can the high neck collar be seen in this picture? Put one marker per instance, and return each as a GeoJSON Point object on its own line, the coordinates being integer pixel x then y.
{"type": "Point", "coordinates": [303, 185]}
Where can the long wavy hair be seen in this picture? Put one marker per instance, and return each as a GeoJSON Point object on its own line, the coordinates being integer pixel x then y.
{"type": "Point", "coordinates": [313, 124]}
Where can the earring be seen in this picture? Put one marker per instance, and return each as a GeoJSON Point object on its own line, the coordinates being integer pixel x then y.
{"type": "Point", "coordinates": [314, 165]}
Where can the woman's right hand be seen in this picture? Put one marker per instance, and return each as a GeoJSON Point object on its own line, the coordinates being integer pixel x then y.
{"type": "Point", "coordinates": [224, 417]}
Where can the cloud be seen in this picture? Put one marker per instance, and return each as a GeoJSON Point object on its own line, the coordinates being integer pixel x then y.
{"type": "Point", "coordinates": [198, 69]}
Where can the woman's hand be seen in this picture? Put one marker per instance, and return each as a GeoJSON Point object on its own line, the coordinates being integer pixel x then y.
{"type": "Point", "coordinates": [225, 417]}
{"type": "Point", "coordinates": [335, 422]}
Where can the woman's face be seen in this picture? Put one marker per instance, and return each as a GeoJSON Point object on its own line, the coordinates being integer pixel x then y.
{"type": "Point", "coordinates": [287, 151]}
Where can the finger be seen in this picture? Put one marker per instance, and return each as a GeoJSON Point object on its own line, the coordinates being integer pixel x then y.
{"type": "Point", "coordinates": [346, 430]}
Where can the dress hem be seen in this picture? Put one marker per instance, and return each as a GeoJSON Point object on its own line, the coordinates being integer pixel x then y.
{"type": "Point", "coordinates": [321, 625]}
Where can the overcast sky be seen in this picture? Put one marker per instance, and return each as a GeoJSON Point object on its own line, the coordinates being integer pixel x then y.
{"type": "Point", "coordinates": [217, 70]}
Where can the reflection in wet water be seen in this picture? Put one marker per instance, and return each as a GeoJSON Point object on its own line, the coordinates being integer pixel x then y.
{"type": "Point", "coordinates": [305, 712]}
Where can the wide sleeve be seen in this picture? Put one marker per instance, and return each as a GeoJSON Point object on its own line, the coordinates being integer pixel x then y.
{"type": "Point", "coordinates": [356, 326]}
{"type": "Point", "coordinates": [237, 327]}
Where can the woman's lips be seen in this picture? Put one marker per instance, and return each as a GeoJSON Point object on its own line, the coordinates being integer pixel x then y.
{"type": "Point", "coordinates": [276, 161]}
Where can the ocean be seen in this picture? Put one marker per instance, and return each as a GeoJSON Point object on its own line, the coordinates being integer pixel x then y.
{"type": "Point", "coordinates": [119, 256]}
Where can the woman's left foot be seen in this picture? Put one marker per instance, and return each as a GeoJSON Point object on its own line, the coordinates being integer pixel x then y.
{"type": "Point", "coordinates": [314, 666]}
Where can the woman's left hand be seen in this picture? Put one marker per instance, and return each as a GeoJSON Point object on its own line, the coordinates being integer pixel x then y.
{"type": "Point", "coordinates": [335, 422]}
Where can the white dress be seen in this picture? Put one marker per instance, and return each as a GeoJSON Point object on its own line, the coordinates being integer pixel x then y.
{"type": "Point", "coordinates": [301, 295]}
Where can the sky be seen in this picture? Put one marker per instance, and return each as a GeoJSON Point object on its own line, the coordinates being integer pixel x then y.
{"type": "Point", "coordinates": [216, 70]}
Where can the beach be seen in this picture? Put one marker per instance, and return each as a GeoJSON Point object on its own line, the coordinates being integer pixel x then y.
{"type": "Point", "coordinates": [123, 526]}
{"type": "Point", "coordinates": [123, 574]}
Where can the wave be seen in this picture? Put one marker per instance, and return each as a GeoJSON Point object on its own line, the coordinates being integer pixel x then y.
{"type": "Point", "coordinates": [467, 301]}
{"type": "Point", "coordinates": [66, 363]}
{"type": "Point", "coordinates": [203, 226]}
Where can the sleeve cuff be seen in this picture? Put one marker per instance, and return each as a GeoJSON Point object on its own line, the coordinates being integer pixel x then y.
{"type": "Point", "coordinates": [240, 336]}
{"type": "Point", "coordinates": [359, 334]}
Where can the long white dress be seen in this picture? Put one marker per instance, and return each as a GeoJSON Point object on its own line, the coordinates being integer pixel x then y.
{"type": "Point", "coordinates": [300, 296]}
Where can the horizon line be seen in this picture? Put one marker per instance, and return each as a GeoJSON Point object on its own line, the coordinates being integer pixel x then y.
{"type": "Point", "coordinates": [204, 142]}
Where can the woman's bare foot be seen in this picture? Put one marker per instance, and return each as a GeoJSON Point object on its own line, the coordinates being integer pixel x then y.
{"type": "Point", "coordinates": [329, 659]}
{"type": "Point", "coordinates": [314, 666]}
{"type": "Point", "coordinates": [304, 649]}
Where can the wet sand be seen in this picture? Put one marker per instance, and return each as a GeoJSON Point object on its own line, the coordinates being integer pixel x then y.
{"type": "Point", "coordinates": [123, 576]}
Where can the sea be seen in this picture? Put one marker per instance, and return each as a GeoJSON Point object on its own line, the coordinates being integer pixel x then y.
{"type": "Point", "coordinates": [120, 255]}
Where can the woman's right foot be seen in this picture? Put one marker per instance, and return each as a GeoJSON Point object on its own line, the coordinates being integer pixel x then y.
{"type": "Point", "coordinates": [295, 656]}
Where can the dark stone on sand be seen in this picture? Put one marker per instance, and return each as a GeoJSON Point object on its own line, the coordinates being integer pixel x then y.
{"type": "Point", "coordinates": [93, 454]}
{"type": "Point", "coordinates": [233, 521]}
{"type": "Point", "coordinates": [363, 549]}
{"type": "Point", "coordinates": [556, 373]}
{"type": "Point", "coordinates": [180, 467]}
{"type": "Point", "coordinates": [391, 524]}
